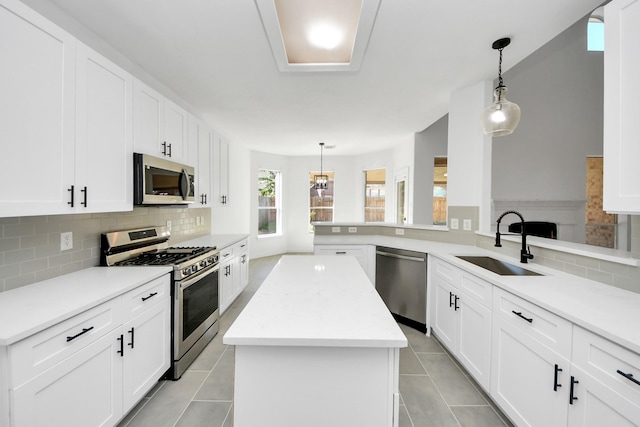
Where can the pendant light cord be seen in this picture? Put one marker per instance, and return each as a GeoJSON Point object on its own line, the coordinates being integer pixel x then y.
{"type": "Point", "coordinates": [500, 81]}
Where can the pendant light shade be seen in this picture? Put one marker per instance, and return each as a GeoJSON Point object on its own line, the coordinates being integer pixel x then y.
{"type": "Point", "coordinates": [320, 181]}
{"type": "Point", "coordinates": [502, 116]}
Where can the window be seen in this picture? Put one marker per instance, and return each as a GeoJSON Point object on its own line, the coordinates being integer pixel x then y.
{"type": "Point", "coordinates": [440, 191]}
{"type": "Point", "coordinates": [595, 34]}
{"type": "Point", "coordinates": [320, 201]}
{"type": "Point", "coordinates": [374, 187]}
{"type": "Point", "coordinates": [269, 210]}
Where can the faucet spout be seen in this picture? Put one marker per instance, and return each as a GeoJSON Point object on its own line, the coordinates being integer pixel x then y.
{"type": "Point", "coordinates": [525, 254]}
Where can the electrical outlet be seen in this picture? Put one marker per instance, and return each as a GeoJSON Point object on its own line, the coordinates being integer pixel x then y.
{"type": "Point", "coordinates": [466, 224]}
{"type": "Point", "coordinates": [454, 224]}
{"type": "Point", "coordinates": [353, 229]}
{"type": "Point", "coordinates": [66, 241]}
{"type": "Point", "coordinates": [197, 221]}
{"type": "Point", "coordinates": [335, 229]}
{"type": "Point", "coordinates": [169, 225]}
{"type": "Point", "coordinates": [400, 231]}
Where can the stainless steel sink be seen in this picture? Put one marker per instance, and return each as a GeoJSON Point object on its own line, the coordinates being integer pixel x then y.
{"type": "Point", "coordinates": [499, 267]}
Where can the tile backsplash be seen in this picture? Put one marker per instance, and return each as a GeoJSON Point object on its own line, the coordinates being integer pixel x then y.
{"type": "Point", "coordinates": [30, 246]}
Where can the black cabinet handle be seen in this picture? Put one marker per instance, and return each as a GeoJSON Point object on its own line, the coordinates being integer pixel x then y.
{"type": "Point", "coordinates": [150, 295]}
{"type": "Point", "coordinates": [72, 195]}
{"type": "Point", "coordinates": [131, 331]}
{"type": "Point", "coordinates": [455, 303]}
{"type": "Point", "coordinates": [341, 252]}
{"type": "Point", "coordinates": [169, 150]}
{"type": "Point", "coordinates": [519, 314]}
{"type": "Point", "coordinates": [84, 331]}
{"type": "Point", "coordinates": [205, 199]}
{"type": "Point", "coordinates": [555, 378]}
{"type": "Point", "coordinates": [121, 351]}
{"type": "Point", "coordinates": [571, 396]}
{"type": "Point", "coordinates": [628, 376]}
{"type": "Point", "coordinates": [164, 148]}
{"type": "Point", "coordinates": [450, 299]}
{"type": "Point", "coordinates": [84, 190]}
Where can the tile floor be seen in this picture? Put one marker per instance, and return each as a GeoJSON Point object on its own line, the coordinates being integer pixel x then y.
{"type": "Point", "coordinates": [433, 388]}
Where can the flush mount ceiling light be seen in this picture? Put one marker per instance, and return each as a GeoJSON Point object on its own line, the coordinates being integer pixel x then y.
{"type": "Point", "coordinates": [321, 181]}
{"type": "Point", "coordinates": [502, 117]}
{"type": "Point", "coordinates": [318, 35]}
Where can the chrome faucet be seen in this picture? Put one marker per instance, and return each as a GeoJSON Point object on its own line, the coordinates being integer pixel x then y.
{"type": "Point", "coordinates": [525, 253]}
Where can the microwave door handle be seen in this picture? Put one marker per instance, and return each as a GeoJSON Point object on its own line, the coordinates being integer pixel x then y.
{"type": "Point", "coordinates": [184, 184]}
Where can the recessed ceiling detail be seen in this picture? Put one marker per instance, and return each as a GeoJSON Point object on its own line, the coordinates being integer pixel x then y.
{"type": "Point", "coordinates": [318, 35]}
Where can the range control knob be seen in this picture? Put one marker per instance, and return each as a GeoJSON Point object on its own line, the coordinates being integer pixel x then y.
{"type": "Point", "coordinates": [186, 271]}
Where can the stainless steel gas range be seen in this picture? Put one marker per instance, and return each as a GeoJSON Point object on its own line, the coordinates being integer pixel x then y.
{"type": "Point", "coordinates": [195, 285]}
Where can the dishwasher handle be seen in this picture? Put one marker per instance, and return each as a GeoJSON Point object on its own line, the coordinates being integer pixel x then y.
{"type": "Point", "coordinates": [405, 257]}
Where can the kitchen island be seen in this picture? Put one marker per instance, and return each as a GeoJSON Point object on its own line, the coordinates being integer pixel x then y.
{"type": "Point", "coordinates": [316, 346]}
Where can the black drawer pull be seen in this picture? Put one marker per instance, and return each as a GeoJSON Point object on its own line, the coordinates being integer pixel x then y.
{"type": "Point", "coordinates": [519, 314]}
{"type": "Point", "coordinates": [555, 378]}
{"type": "Point", "coordinates": [628, 376]}
{"type": "Point", "coordinates": [571, 396]}
{"type": "Point", "coordinates": [84, 331]}
{"type": "Point", "coordinates": [153, 294]}
{"type": "Point", "coordinates": [341, 252]}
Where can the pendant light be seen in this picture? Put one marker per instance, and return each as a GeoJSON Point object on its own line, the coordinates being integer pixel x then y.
{"type": "Point", "coordinates": [502, 117]}
{"type": "Point", "coordinates": [320, 181]}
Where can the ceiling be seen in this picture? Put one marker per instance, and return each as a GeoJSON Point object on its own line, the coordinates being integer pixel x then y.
{"type": "Point", "coordinates": [216, 56]}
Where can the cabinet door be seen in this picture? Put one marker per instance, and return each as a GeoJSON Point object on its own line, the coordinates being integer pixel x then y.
{"type": "Point", "coordinates": [221, 170]}
{"type": "Point", "coordinates": [522, 378]}
{"type": "Point", "coordinates": [474, 339]}
{"type": "Point", "coordinates": [444, 312]}
{"type": "Point", "coordinates": [83, 390]}
{"type": "Point", "coordinates": [37, 81]}
{"type": "Point", "coordinates": [147, 351]}
{"type": "Point", "coordinates": [104, 139]}
{"type": "Point", "coordinates": [228, 283]}
{"type": "Point", "coordinates": [621, 107]}
{"type": "Point", "coordinates": [244, 271]}
{"type": "Point", "coordinates": [175, 132]}
{"type": "Point", "coordinates": [200, 156]}
{"type": "Point", "coordinates": [148, 121]}
{"type": "Point", "coordinates": [597, 405]}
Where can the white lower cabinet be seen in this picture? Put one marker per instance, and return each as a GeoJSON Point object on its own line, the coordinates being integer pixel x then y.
{"type": "Point", "coordinates": [605, 390]}
{"type": "Point", "coordinates": [462, 323]}
{"type": "Point", "coordinates": [365, 254]}
{"type": "Point", "coordinates": [91, 369]}
{"type": "Point", "coordinates": [234, 272]}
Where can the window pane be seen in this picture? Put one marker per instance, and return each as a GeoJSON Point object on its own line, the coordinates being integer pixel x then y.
{"type": "Point", "coordinates": [268, 202]}
{"type": "Point", "coordinates": [374, 195]}
{"type": "Point", "coordinates": [595, 36]}
{"type": "Point", "coordinates": [321, 215]}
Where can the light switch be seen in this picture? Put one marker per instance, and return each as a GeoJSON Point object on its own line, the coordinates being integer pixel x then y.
{"type": "Point", "coordinates": [454, 224]}
{"type": "Point", "coordinates": [466, 224]}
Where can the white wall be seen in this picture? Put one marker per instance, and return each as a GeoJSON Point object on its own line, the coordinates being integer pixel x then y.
{"type": "Point", "coordinates": [469, 163]}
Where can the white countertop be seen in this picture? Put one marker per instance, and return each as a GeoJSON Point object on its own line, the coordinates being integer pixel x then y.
{"type": "Point", "coordinates": [608, 311]}
{"type": "Point", "coordinates": [30, 309]}
{"type": "Point", "coordinates": [312, 300]}
{"type": "Point", "coordinates": [218, 240]}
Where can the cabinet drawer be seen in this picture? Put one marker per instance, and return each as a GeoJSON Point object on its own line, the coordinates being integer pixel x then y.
{"type": "Point", "coordinates": [541, 325]}
{"type": "Point", "coordinates": [226, 253]}
{"type": "Point", "coordinates": [603, 359]}
{"type": "Point", "coordinates": [448, 272]}
{"type": "Point", "coordinates": [356, 251]}
{"type": "Point", "coordinates": [41, 351]}
{"type": "Point", "coordinates": [143, 297]}
{"type": "Point", "coordinates": [241, 246]}
{"type": "Point", "coordinates": [477, 289]}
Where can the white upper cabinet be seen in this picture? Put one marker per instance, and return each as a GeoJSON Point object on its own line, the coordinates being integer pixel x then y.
{"type": "Point", "coordinates": [220, 162]}
{"type": "Point", "coordinates": [200, 141]}
{"type": "Point", "coordinates": [622, 107]}
{"type": "Point", "coordinates": [160, 126]}
{"type": "Point", "coordinates": [104, 134]}
{"type": "Point", "coordinates": [37, 80]}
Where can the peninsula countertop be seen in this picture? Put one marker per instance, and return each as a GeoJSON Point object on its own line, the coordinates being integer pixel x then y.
{"type": "Point", "coordinates": [316, 301]}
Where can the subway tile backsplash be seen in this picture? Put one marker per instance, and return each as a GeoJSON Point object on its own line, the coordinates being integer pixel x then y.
{"type": "Point", "coordinates": [30, 246]}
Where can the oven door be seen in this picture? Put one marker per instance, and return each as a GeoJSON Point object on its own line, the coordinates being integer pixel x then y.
{"type": "Point", "coordinates": [196, 309]}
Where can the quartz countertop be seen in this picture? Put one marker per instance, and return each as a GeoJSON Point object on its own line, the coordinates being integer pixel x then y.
{"type": "Point", "coordinates": [312, 300]}
{"type": "Point", "coordinates": [218, 240]}
{"type": "Point", "coordinates": [30, 309]}
{"type": "Point", "coordinates": [608, 311]}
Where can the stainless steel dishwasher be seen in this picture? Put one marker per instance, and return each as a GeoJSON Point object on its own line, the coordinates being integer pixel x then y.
{"type": "Point", "coordinates": [401, 281]}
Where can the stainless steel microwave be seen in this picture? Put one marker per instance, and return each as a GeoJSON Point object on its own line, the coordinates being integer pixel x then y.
{"type": "Point", "coordinates": [158, 181]}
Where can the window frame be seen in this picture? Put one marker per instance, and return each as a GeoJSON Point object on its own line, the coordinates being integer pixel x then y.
{"type": "Point", "coordinates": [277, 203]}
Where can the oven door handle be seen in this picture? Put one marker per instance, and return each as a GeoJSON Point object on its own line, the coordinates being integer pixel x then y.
{"type": "Point", "coordinates": [185, 284]}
